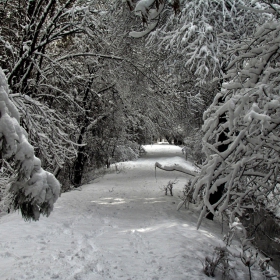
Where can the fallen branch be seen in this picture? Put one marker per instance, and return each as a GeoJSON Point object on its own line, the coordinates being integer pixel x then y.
{"type": "Point", "coordinates": [175, 167]}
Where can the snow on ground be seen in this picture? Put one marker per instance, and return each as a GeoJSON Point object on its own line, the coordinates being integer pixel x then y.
{"type": "Point", "coordinates": [120, 226]}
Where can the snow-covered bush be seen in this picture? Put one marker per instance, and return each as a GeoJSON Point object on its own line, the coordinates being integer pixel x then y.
{"type": "Point", "coordinates": [236, 247]}
{"type": "Point", "coordinates": [169, 187]}
{"type": "Point", "coordinates": [219, 261]}
{"type": "Point", "coordinates": [31, 189]}
{"type": "Point", "coordinates": [249, 103]}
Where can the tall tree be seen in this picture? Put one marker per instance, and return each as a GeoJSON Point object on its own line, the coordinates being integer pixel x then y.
{"type": "Point", "coordinates": [41, 54]}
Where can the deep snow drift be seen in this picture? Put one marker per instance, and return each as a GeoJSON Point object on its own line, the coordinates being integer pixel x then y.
{"type": "Point", "coordinates": [120, 226]}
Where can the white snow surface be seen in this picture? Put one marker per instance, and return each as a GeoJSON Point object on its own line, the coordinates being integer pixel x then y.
{"type": "Point", "coordinates": [120, 226]}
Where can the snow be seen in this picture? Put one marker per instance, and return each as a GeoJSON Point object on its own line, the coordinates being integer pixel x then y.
{"type": "Point", "coordinates": [120, 226]}
{"type": "Point", "coordinates": [143, 6]}
{"type": "Point", "coordinates": [38, 194]}
{"type": "Point", "coordinates": [139, 34]}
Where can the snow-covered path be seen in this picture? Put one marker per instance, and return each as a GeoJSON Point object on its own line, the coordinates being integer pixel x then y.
{"type": "Point", "coordinates": [121, 226]}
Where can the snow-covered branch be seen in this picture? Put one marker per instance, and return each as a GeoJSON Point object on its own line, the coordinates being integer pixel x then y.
{"type": "Point", "coordinates": [249, 107]}
{"type": "Point", "coordinates": [175, 167]}
{"type": "Point", "coordinates": [199, 37]}
{"type": "Point", "coordinates": [33, 190]}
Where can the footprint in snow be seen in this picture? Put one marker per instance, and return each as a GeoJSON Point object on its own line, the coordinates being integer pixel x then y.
{"type": "Point", "coordinates": [106, 221]}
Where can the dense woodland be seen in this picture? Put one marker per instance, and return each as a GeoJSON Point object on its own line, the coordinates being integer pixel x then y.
{"type": "Point", "coordinates": [86, 83]}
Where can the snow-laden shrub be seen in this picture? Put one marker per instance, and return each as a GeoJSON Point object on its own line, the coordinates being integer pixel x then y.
{"type": "Point", "coordinates": [249, 104]}
{"type": "Point", "coordinates": [31, 190]}
{"type": "Point", "coordinates": [227, 254]}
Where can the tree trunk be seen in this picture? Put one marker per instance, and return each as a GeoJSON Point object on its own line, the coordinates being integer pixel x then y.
{"type": "Point", "coordinates": [216, 196]}
{"type": "Point", "coordinates": [80, 161]}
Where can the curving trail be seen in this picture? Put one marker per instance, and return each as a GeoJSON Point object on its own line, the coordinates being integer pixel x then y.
{"type": "Point", "coordinates": [120, 226]}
